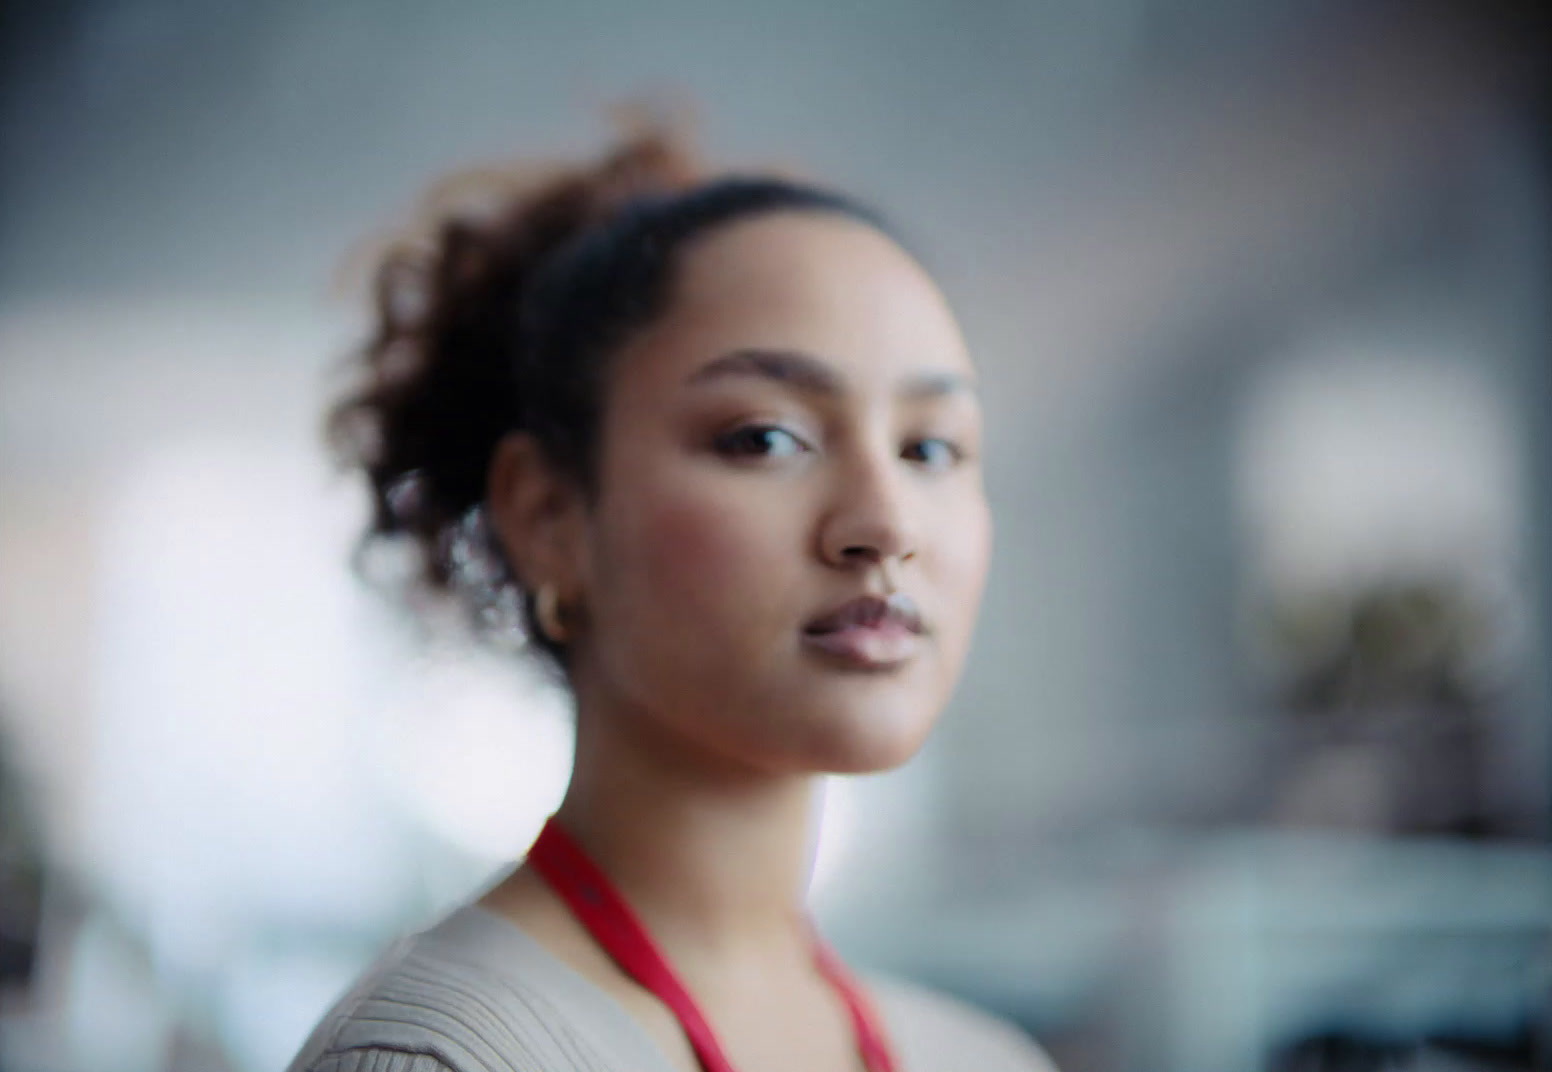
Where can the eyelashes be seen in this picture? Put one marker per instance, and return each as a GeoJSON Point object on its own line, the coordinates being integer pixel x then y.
{"type": "Point", "coordinates": [761, 441]}
{"type": "Point", "coordinates": [934, 452]}
{"type": "Point", "coordinates": [764, 441]}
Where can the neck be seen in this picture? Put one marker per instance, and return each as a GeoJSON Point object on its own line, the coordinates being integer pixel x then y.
{"type": "Point", "coordinates": [715, 859]}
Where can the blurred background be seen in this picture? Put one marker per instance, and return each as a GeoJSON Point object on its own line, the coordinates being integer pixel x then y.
{"type": "Point", "coordinates": [1252, 769]}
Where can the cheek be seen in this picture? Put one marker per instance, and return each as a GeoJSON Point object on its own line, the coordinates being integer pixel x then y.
{"type": "Point", "coordinates": [689, 552]}
{"type": "Point", "coordinates": [693, 547]}
{"type": "Point", "coordinates": [965, 557]}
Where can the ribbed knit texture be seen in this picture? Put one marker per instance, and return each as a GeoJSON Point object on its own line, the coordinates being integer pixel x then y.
{"type": "Point", "coordinates": [476, 994]}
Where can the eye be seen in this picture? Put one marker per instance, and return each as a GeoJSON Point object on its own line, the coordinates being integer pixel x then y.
{"type": "Point", "coordinates": [933, 453]}
{"type": "Point", "coordinates": [760, 441]}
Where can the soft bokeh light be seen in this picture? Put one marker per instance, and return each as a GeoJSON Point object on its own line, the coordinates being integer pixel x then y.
{"type": "Point", "coordinates": [479, 755]}
{"type": "Point", "coordinates": [1361, 458]}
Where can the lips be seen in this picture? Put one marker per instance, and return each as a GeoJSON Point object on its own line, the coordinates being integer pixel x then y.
{"type": "Point", "coordinates": [868, 633]}
{"type": "Point", "coordinates": [868, 612]}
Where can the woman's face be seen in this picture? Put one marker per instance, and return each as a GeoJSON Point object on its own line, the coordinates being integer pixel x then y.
{"type": "Point", "coordinates": [797, 434]}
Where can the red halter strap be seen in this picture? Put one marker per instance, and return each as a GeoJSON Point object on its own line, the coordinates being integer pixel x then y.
{"type": "Point", "coordinates": [592, 898]}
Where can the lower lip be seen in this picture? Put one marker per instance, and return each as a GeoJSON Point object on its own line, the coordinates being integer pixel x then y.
{"type": "Point", "coordinates": [868, 647]}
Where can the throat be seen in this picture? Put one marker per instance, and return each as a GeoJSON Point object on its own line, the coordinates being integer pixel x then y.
{"type": "Point", "coordinates": [714, 859]}
{"type": "Point", "coordinates": [712, 883]}
{"type": "Point", "coordinates": [760, 1001]}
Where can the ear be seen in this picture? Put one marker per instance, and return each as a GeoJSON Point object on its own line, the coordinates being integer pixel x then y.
{"type": "Point", "coordinates": [537, 512]}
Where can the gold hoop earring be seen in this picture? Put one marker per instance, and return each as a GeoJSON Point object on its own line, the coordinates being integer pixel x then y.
{"type": "Point", "coordinates": [547, 612]}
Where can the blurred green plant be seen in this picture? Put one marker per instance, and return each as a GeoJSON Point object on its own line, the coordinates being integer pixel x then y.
{"type": "Point", "coordinates": [1430, 640]}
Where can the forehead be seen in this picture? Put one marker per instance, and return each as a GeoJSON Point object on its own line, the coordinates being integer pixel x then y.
{"type": "Point", "coordinates": [815, 282]}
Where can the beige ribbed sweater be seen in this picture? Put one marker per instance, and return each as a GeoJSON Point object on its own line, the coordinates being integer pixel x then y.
{"type": "Point", "coordinates": [476, 994]}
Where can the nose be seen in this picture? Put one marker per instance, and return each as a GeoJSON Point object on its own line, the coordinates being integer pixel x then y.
{"type": "Point", "coordinates": [870, 523]}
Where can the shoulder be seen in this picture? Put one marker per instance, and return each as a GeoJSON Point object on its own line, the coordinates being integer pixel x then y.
{"type": "Point", "coordinates": [933, 1032]}
{"type": "Point", "coordinates": [456, 998]}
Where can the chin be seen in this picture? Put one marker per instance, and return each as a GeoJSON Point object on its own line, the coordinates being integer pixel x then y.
{"type": "Point", "coordinates": [863, 741]}
{"type": "Point", "coordinates": [876, 761]}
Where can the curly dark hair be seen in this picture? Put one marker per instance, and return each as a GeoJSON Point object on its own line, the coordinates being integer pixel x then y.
{"type": "Point", "coordinates": [502, 316]}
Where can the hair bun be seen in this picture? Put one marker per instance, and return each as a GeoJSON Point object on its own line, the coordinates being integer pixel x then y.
{"type": "Point", "coordinates": [434, 388]}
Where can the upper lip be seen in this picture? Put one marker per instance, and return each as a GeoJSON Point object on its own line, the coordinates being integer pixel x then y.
{"type": "Point", "coordinates": [869, 611]}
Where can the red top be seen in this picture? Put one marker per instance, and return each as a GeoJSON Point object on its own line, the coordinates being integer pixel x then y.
{"type": "Point", "coordinates": [560, 861]}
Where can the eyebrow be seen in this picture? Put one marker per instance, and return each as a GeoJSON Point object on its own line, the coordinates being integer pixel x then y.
{"type": "Point", "coordinates": [811, 375]}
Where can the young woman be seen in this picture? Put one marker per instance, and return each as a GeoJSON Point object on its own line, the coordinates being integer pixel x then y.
{"type": "Point", "coordinates": [720, 434]}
